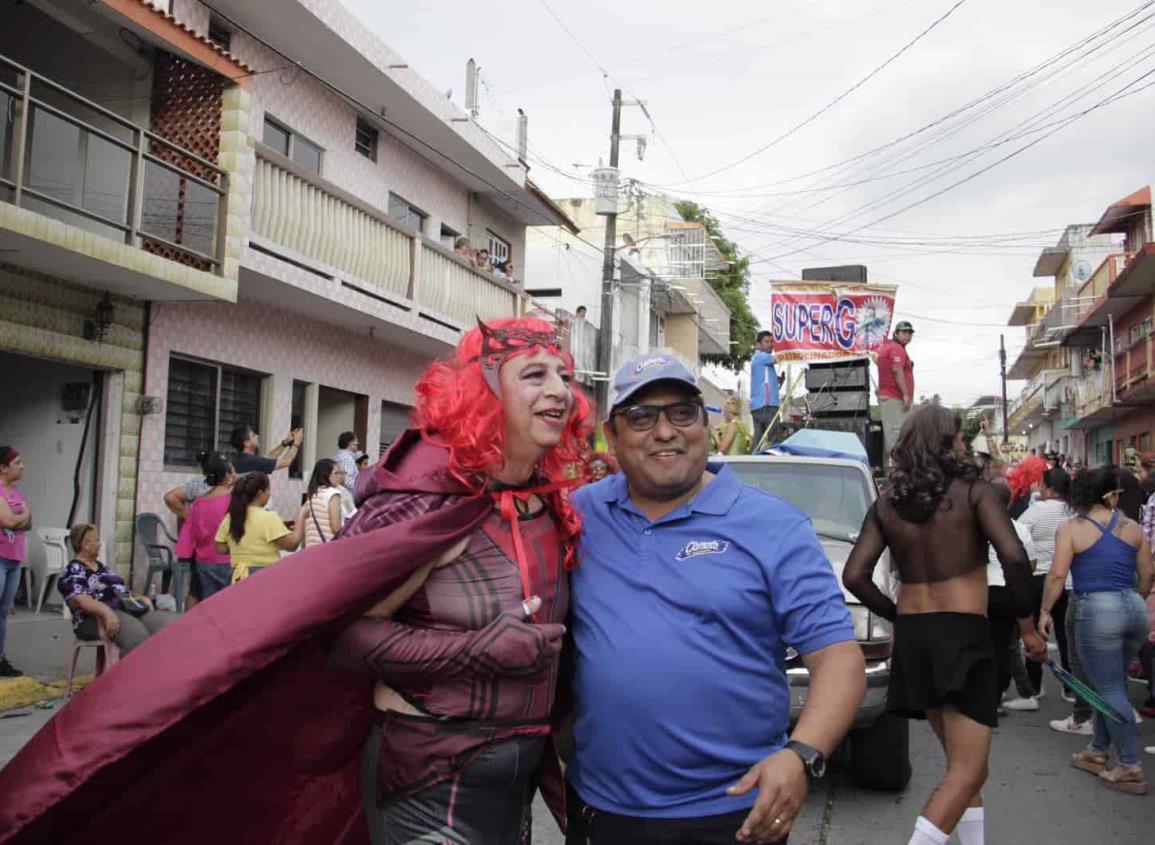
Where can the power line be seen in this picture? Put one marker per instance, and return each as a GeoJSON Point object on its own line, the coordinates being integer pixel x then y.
{"type": "Point", "coordinates": [829, 105]}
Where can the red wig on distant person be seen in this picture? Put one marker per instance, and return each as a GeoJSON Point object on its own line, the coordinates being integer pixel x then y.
{"type": "Point", "coordinates": [458, 408]}
{"type": "Point", "coordinates": [1024, 475]}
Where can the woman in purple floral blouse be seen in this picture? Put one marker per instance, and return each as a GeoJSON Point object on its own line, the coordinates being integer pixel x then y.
{"type": "Point", "coordinates": [93, 594]}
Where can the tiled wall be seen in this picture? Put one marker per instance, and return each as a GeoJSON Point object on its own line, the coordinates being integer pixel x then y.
{"type": "Point", "coordinates": [283, 345]}
{"type": "Point", "coordinates": [44, 317]}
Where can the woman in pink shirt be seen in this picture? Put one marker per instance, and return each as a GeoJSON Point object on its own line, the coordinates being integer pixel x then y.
{"type": "Point", "coordinates": [15, 520]}
{"type": "Point", "coordinates": [213, 569]}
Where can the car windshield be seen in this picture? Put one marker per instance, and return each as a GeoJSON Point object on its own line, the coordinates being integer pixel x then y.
{"type": "Point", "coordinates": [834, 497]}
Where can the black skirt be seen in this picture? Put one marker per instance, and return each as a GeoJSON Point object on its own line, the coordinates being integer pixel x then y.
{"type": "Point", "coordinates": [940, 659]}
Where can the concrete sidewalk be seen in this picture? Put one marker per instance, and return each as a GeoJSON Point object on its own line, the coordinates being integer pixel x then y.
{"type": "Point", "coordinates": [40, 646]}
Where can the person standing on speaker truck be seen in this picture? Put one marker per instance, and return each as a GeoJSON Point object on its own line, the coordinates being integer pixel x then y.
{"type": "Point", "coordinates": [895, 385]}
{"type": "Point", "coordinates": [764, 391]}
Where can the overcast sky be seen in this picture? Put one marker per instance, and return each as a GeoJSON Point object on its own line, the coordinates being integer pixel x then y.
{"type": "Point", "coordinates": [724, 78]}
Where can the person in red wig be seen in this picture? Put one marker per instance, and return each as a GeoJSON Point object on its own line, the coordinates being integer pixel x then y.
{"type": "Point", "coordinates": [466, 653]}
{"type": "Point", "coordinates": [1024, 478]}
{"type": "Point", "coordinates": [443, 594]}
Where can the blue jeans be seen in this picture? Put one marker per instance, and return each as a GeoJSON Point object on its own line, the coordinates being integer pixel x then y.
{"type": "Point", "coordinates": [9, 583]}
{"type": "Point", "coordinates": [1110, 627]}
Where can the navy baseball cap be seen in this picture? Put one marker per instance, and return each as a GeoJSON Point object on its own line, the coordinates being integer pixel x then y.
{"type": "Point", "coordinates": [645, 370]}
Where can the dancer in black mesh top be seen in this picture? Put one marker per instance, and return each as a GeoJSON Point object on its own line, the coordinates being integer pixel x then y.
{"type": "Point", "coordinates": [937, 519]}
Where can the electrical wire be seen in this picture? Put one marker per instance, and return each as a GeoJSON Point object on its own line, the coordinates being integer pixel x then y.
{"type": "Point", "coordinates": [786, 134]}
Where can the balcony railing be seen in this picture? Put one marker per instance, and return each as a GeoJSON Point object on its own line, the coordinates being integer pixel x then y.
{"type": "Point", "coordinates": [460, 292]}
{"type": "Point", "coordinates": [713, 315]}
{"type": "Point", "coordinates": [301, 215]}
{"type": "Point", "coordinates": [71, 159]}
{"type": "Point", "coordinates": [1093, 392]}
{"type": "Point", "coordinates": [583, 345]}
{"type": "Point", "coordinates": [319, 222]}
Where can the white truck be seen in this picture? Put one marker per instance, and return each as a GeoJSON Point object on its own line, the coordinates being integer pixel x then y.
{"type": "Point", "coordinates": [836, 493]}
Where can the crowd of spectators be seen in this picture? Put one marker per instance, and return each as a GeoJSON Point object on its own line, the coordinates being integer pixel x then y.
{"type": "Point", "coordinates": [481, 260]}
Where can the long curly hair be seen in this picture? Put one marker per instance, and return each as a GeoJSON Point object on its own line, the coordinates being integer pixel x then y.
{"type": "Point", "coordinates": [457, 409]}
{"type": "Point", "coordinates": [923, 463]}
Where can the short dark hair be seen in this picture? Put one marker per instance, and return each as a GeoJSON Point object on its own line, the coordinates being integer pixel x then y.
{"type": "Point", "coordinates": [1057, 479]}
{"type": "Point", "coordinates": [762, 335]}
{"type": "Point", "coordinates": [240, 434]}
{"type": "Point", "coordinates": [345, 438]}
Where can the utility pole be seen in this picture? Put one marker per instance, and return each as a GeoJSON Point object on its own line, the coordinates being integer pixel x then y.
{"type": "Point", "coordinates": [606, 332]}
{"type": "Point", "coordinates": [1003, 375]}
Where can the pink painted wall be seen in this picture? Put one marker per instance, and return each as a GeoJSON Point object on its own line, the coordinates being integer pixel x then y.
{"type": "Point", "coordinates": [283, 345]}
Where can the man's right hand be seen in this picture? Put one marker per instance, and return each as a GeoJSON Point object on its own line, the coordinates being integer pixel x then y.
{"type": "Point", "coordinates": [906, 403]}
{"type": "Point", "coordinates": [1034, 646]}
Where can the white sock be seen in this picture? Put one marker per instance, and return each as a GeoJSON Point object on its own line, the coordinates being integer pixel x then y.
{"type": "Point", "coordinates": [925, 833]}
{"type": "Point", "coordinates": [970, 828]}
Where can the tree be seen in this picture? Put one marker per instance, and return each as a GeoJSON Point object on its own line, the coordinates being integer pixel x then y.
{"type": "Point", "coordinates": [732, 285]}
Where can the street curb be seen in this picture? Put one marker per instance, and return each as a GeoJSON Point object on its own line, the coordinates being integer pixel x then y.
{"type": "Point", "coordinates": [25, 691]}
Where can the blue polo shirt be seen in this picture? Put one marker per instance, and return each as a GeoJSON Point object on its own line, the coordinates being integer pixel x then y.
{"type": "Point", "coordinates": [681, 628]}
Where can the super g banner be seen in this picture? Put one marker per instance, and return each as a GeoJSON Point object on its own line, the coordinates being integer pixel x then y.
{"type": "Point", "coordinates": [821, 321]}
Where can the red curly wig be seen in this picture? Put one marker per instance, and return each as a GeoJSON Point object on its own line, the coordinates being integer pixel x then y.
{"type": "Point", "coordinates": [1025, 474]}
{"type": "Point", "coordinates": [457, 408]}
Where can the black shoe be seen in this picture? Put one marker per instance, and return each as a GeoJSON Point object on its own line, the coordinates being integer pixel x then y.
{"type": "Point", "coordinates": [7, 670]}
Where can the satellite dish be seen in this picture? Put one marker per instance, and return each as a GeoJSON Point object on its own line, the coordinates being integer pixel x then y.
{"type": "Point", "coordinates": [1082, 270]}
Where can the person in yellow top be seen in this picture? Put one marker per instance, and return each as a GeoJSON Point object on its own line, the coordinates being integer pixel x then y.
{"type": "Point", "coordinates": [252, 536]}
{"type": "Point", "coordinates": [732, 438]}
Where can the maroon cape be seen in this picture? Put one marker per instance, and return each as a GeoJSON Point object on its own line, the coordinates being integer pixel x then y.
{"type": "Point", "coordinates": [226, 727]}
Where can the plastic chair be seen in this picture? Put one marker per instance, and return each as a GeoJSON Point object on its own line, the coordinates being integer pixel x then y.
{"type": "Point", "coordinates": [160, 557]}
{"type": "Point", "coordinates": [107, 654]}
{"type": "Point", "coordinates": [55, 542]}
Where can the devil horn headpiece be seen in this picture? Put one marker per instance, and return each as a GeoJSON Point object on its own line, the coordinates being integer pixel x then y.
{"type": "Point", "coordinates": [499, 342]}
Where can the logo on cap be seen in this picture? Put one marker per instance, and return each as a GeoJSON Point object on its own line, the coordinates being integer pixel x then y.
{"type": "Point", "coordinates": [697, 548]}
{"type": "Point", "coordinates": [647, 363]}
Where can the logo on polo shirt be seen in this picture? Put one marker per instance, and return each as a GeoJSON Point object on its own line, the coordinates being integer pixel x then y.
{"type": "Point", "coordinates": [697, 548]}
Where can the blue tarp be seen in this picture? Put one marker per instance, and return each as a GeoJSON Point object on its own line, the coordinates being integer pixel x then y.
{"type": "Point", "coordinates": [818, 443]}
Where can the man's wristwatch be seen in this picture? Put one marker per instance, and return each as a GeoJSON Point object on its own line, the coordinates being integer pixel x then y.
{"type": "Point", "coordinates": [813, 759]}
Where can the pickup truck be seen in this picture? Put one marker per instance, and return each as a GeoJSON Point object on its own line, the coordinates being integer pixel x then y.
{"type": "Point", "coordinates": [836, 493]}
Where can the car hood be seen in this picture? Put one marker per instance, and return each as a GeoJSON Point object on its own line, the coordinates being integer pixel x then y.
{"type": "Point", "coordinates": [837, 552]}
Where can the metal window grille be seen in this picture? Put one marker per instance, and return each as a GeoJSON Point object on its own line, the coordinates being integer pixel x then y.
{"type": "Point", "coordinates": [365, 141]}
{"type": "Point", "coordinates": [205, 403]}
{"type": "Point", "coordinates": [498, 248]}
{"type": "Point", "coordinates": [406, 214]}
{"type": "Point", "coordinates": [219, 34]}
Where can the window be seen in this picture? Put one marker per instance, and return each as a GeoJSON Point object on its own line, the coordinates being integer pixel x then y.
{"type": "Point", "coordinates": [406, 214]}
{"type": "Point", "coordinates": [1148, 326]}
{"type": "Point", "coordinates": [297, 420]}
{"type": "Point", "coordinates": [448, 237]}
{"type": "Point", "coordinates": [219, 34]}
{"type": "Point", "coordinates": [498, 248]}
{"type": "Point", "coordinates": [205, 403]}
{"type": "Point", "coordinates": [365, 141]}
{"type": "Point", "coordinates": [1135, 332]}
{"type": "Point", "coordinates": [291, 145]}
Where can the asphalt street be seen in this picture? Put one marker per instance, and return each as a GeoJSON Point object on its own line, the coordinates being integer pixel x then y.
{"type": "Point", "coordinates": [1032, 795]}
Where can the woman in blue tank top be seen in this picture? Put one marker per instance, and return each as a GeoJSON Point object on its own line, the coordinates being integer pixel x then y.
{"type": "Point", "coordinates": [1110, 564]}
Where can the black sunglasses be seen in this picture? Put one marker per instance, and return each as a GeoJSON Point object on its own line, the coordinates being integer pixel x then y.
{"type": "Point", "coordinates": [644, 417]}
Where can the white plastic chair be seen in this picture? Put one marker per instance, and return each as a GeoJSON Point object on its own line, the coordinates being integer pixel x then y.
{"type": "Point", "coordinates": [107, 654]}
{"type": "Point", "coordinates": [55, 542]}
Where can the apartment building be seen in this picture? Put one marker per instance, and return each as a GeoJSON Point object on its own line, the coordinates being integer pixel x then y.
{"type": "Point", "coordinates": [1089, 354]}
{"type": "Point", "coordinates": [257, 204]}
{"type": "Point", "coordinates": [662, 297]}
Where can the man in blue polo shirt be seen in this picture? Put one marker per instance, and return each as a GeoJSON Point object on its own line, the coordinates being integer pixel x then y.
{"type": "Point", "coordinates": [690, 588]}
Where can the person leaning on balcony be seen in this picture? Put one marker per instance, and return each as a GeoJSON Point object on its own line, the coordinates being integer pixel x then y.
{"type": "Point", "coordinates": [248, 459]}
{"type": "Point", "coordinates": [895, 385]}
{"type": "Point", "coordinates": [463, 248]}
